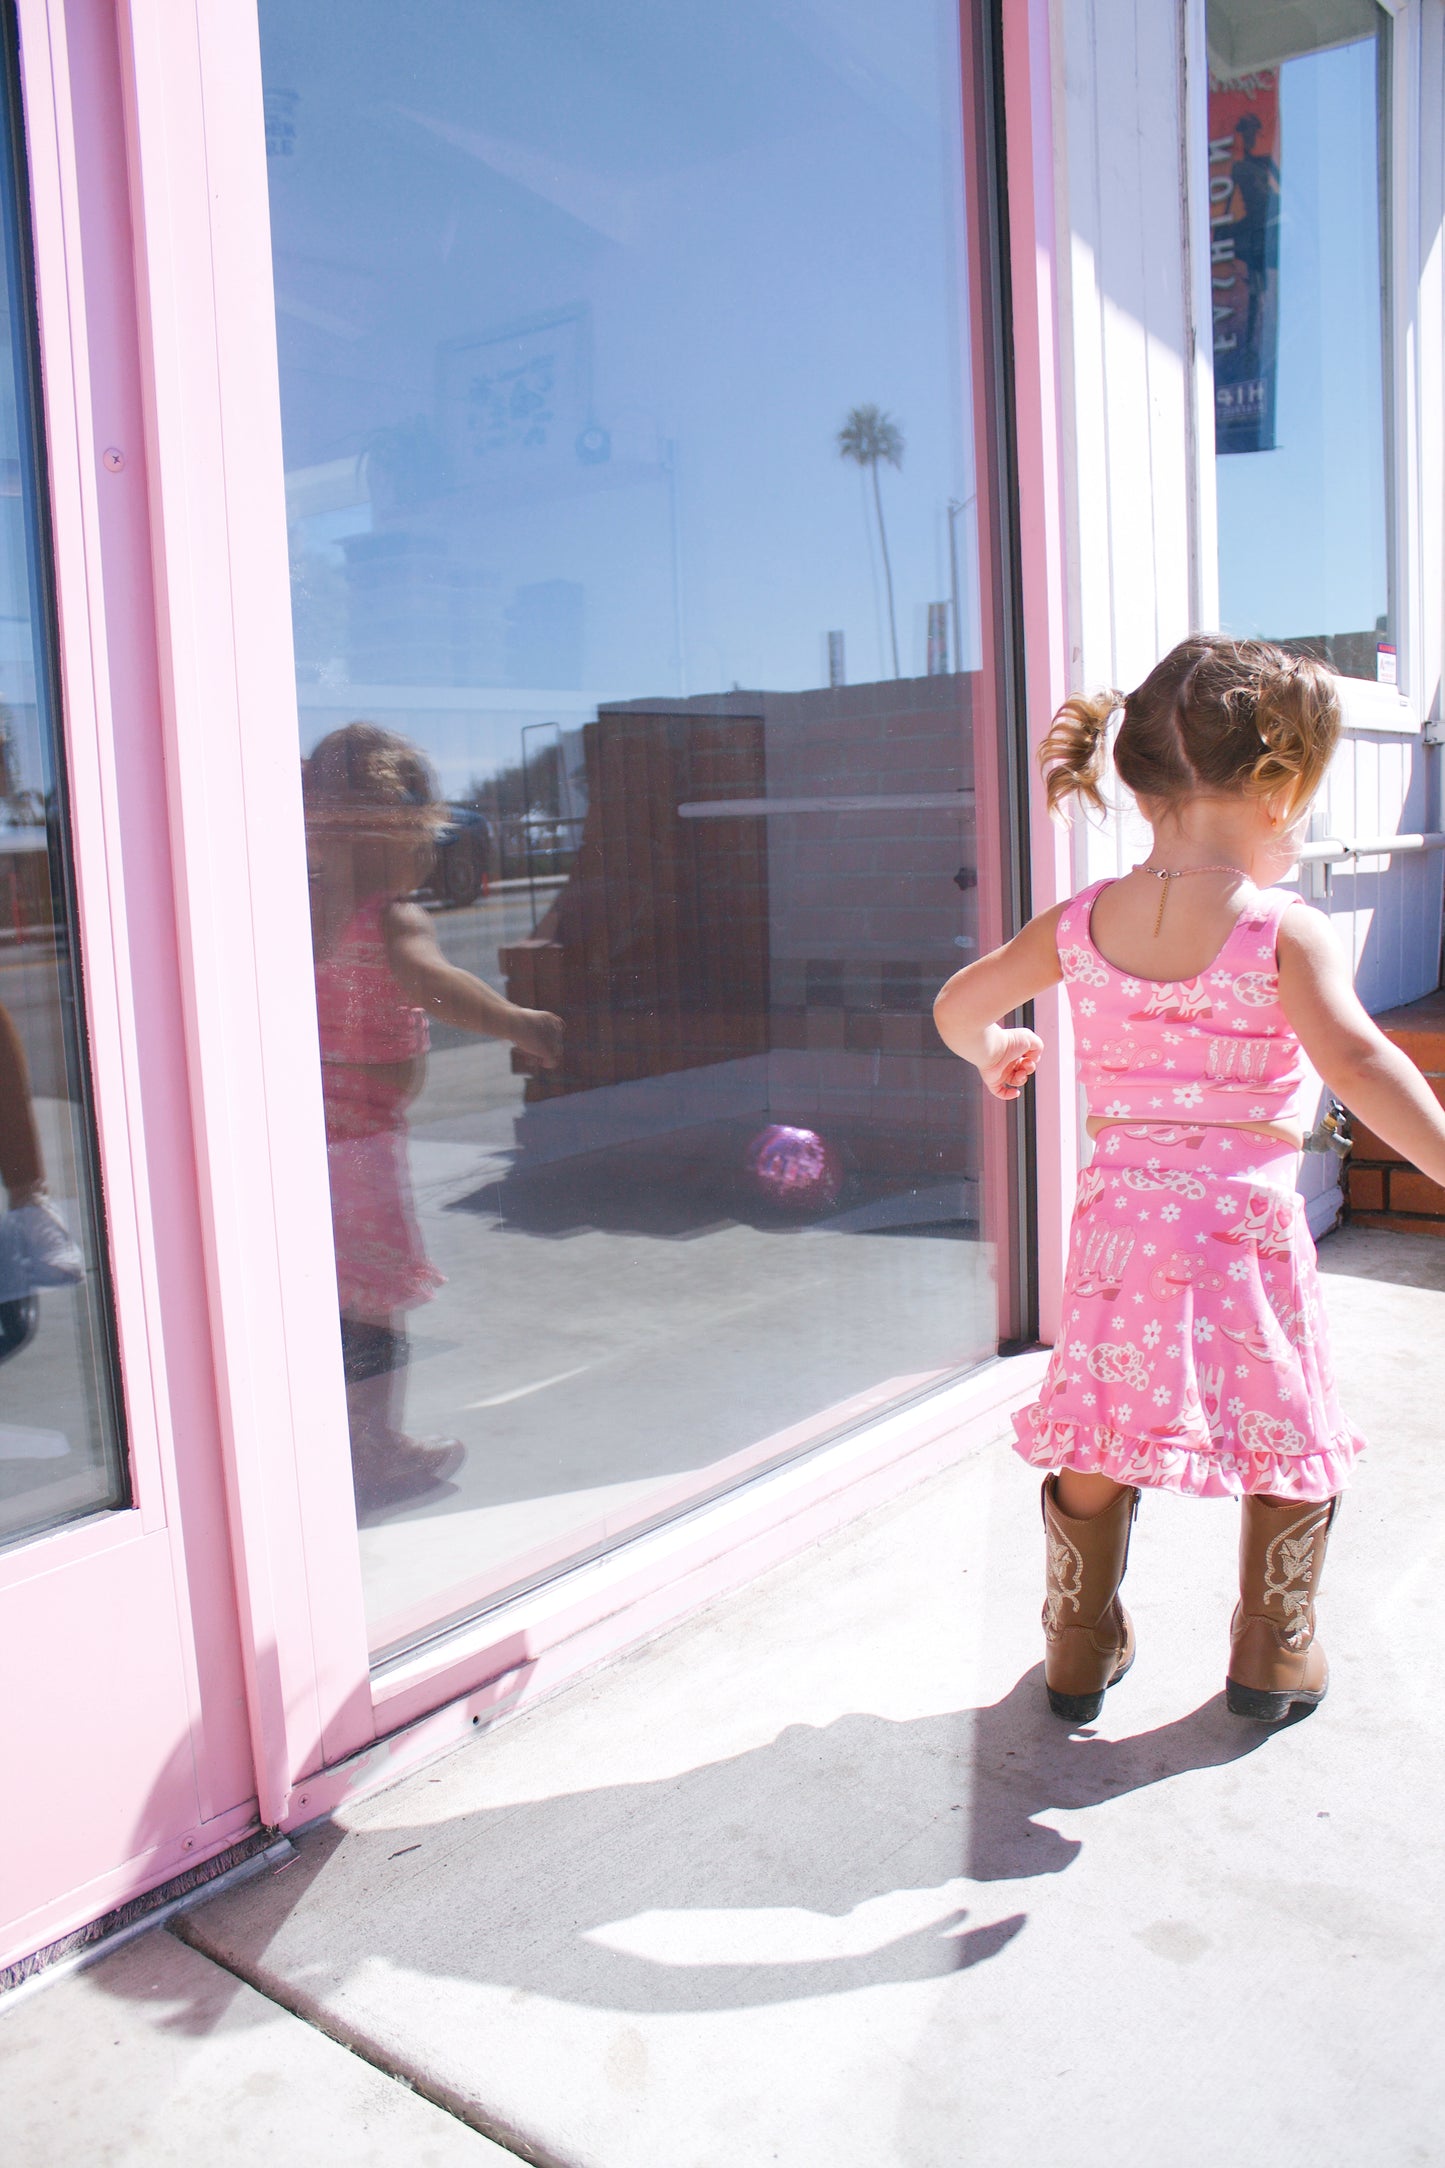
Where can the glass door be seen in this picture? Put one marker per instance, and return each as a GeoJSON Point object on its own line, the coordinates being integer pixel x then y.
{"type": "Point", "coordinates": [639, 562]}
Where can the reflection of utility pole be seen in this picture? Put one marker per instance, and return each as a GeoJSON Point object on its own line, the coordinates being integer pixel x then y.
{"type": "Point", "coordinates": [679, 630]}
{"type": "Point", "coordinates": [527, 834]}
{"type": "Point", "coordinates": [955, 506]}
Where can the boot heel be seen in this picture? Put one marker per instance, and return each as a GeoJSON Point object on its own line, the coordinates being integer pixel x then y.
{"type": "Point", "coordinates": [1076, 1708]}
{"type": "Point", "coordinates": [1267, 1707]}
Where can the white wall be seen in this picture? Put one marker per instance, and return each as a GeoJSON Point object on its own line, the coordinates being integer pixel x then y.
{"type": "Point", "coordinates": [1129, 88]}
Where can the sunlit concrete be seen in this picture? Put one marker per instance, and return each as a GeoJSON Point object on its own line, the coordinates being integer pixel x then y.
{"type": "Point", "coordinates": [816, 1877]}
{"type": "Point", "coordinates": [156, 2058]}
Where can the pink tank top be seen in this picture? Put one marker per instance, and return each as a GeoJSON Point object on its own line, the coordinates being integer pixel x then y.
{"type": "Point", "coordinates": [1215, 1048]}
{"type": "Point", "coordinates": [359, 1006]}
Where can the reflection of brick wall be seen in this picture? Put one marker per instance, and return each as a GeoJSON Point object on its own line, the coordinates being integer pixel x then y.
{"type": "Point", "coordinates": [656, 953]}
{"type": "Point", "coordinates": [27, 902]}
{"type": "Point", "coordinates": [818, 937]}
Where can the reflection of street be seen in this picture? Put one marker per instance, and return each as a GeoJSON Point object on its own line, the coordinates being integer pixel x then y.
{"type": "Point", "coordinates": [472, 937]}
{"type": "Point", "coordinates": [620, 1322]}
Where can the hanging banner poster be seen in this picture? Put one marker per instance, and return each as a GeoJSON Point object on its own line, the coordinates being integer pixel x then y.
{"type": "Point", "coordinates": [1244, 198]}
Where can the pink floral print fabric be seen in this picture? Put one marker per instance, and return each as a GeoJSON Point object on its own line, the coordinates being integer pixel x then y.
{"type": "Point", "coordinates": [1214, 1048]}
{"type": "Point", "coordinates": [1194, 1354]}
{"type": "Point", "coordinates": [381, 1262]}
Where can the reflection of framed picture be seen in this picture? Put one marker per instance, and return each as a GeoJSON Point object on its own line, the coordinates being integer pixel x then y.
{"type": "Point", "coordinates": [519, 400]}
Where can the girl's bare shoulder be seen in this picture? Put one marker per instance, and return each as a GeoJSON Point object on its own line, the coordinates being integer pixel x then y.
{"type": "Point", "coordinates": [1043, 927]}
{"type": "Point", "coordinates": [1304, 935]}
{"type": "Point", "coordinates": [406, 926]}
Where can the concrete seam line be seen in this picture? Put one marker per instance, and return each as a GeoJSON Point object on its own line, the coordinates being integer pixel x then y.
{"type": "Point", "coordinates": [357, 2044]}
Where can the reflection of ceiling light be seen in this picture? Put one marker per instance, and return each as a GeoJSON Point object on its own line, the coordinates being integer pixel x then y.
{"type": "Point", "coordinates": [594, 445]}
{"type": "Point", "coordinates": [280, 107]}
{"type": "Point", "coordinates": [1246, 34]}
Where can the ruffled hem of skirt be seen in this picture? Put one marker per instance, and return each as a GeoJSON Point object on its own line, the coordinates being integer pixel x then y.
{"type": "Point", "coordinates": [406, 1287]}
{"type": "Point", "coordinates": [1204, 1471]}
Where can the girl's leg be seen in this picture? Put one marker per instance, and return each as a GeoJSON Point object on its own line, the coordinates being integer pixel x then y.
{"type": "Point", "coordinates": [1082, 1496]}
{"type": "Point", "coordinates": [387, 1465]}
{"type": "Point", "coordinates": [21, 1169]}
{"type": "Point", "coordinates": [38, 1250]}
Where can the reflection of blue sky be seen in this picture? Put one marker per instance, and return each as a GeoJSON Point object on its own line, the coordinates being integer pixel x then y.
{"type": "Point", "coordinates": [29, 751]}
{"type": "Point", "coordinates": [717, 230]}
{"type": "Point", "coordinates": [1302, 528]}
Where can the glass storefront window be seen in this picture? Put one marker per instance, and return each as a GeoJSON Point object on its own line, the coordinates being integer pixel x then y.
{"type": "Point", "coordinates": [634, 528]}
{"type": "Point", "coordinates": [1298, 137]}
{"type": "Point", "coordinates": [61, 1454]}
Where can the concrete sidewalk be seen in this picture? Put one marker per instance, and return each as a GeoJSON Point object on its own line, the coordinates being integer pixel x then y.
{"type": "Point", "coordinates": [816, 1879]}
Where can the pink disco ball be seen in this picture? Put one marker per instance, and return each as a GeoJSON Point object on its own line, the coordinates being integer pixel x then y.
{"type": "Point", "coordinates": [795, 1168]}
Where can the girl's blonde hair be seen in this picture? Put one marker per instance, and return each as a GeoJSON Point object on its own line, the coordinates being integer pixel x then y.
{"type": "Point", "coordinates": [362, 776]}
{"type": "Point", "coordinates": [1216, 717]}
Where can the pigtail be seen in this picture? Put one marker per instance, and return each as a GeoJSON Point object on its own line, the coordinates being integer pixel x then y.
{"type": "Point", "coordinates": [1072, 756]}
{"type": "Point", "coordinates": [1298, 719]}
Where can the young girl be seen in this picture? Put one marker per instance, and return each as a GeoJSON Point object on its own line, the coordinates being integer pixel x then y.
{"type": "Point", "coordinates": [372, 819]}
{"type": "Point", "coordinates": [1193, 1353]}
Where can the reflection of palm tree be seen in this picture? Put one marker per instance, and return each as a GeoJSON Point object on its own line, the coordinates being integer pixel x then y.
{"type": "Point", "coordinates": [866, 437]}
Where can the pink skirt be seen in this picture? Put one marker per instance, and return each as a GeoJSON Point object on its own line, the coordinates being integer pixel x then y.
{"type": "Point", "coordinates": [381, 1261]}
{"type": "Point", "coordinates": [1194, 1354]}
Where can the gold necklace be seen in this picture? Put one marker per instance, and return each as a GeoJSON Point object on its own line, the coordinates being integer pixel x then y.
{"type": "Point", "coordinates": [1163, 876]}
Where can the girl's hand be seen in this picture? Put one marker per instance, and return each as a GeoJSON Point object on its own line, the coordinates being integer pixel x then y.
{"type": "Point", "coordinates": [538, 1032]}
{"type": "Point", "coordinates": [1012, 1060]}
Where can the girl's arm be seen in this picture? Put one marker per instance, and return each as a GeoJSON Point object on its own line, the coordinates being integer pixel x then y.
{"type": "Point", "coordinates": [1373, 1078]}
{"type": "Point", "coordinates": [454, 996]}
{"type": "Point", "coordinates": [968, 1009]}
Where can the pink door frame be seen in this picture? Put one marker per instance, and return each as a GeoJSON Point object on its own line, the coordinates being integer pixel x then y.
{"type": "Point", "coordinates": [1030, 153]}
{"type": "Point", "coordinates": [233, 964]}
{"type": "Point", "coordinates": [123, 1696]}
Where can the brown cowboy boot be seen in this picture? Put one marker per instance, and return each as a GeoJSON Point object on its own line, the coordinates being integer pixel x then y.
{"type": "Point", "coordinates": [1088, 1638]}
{"type": "Point", "coordinates": [1274, 1659]}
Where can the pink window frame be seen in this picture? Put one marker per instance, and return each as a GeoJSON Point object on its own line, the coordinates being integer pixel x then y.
{"type": "Point", "coordinates": [320, 1726]}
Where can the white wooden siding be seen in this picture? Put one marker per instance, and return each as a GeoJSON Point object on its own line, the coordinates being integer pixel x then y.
{"type": "Point", "coordinates": [1138, 444]}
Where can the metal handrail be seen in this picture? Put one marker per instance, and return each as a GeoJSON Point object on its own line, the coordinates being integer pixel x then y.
{"type": "Point", "coordinates": [1330, 850]}
{"type": "Point", "coordinates": [921, 801]}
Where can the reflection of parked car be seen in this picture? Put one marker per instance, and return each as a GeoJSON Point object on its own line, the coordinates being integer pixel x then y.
{"type": "Point", "coordinates": [461, 869]}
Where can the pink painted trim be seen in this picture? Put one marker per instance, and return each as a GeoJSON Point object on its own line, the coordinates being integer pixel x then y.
{"type": "Point", "coordinates": [667, 1498]}
{"type": "Point", "coordinates": [196, 140]}
{"type": "Point", "coordinates": [1031, 150]}
{"type": "Point", "coordinates": [60, 1548]}
{"type": "Point", "coordinates": [102, 931]}
{"type": "Point", "coordinates": [167, 1377]}
{"type": "Point", "coordinates": [35, 1930]}
{"type": "Point", "coordinates": [171, 1739]}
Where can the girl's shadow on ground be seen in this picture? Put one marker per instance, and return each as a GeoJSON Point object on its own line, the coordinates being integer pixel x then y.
{"type": "Point", "coordinates": [560, 1897]}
